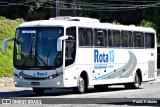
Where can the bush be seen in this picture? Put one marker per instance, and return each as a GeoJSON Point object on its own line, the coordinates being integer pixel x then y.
{"type": "Point", "coordinates": [20, 20]}
{"type": "Point", "coordinates": [144, 23]}
{"type": "Point", "coordinates": [116, 23]}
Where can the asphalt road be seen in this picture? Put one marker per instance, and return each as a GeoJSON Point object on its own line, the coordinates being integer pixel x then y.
{"type": "Point", "coordinates": [147, 95]}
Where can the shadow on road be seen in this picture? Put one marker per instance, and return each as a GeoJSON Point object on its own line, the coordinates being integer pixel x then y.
{"type": "Point", "coordinates": [54, 92]}
{"type": "Point", "coordinates": [15, 93]}
{"type": "Point", "coordinates": [110, 89]}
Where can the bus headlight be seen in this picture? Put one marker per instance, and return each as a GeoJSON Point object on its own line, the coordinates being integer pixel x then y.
{"type": "Point", "coordinates": [19, 76]}
{"type": "Point", "coordinates": [51, 77]}
{"type": "Point", "coordinates": [55, 75]}
{"type": "Point", "coordinates": [15, 83]}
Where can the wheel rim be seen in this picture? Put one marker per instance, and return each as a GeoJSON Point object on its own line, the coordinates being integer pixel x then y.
{"type": "Point", "coordinates": [137, 81]}
{"type": "Point", "coordinates": [81, 85]}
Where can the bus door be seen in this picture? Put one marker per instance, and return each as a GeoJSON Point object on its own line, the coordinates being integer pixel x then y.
{"type": "Point", "coordinates": [70, 46]}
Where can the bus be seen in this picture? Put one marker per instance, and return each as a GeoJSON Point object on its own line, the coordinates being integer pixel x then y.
{"type": "Point", "coordinates": [77, 52]}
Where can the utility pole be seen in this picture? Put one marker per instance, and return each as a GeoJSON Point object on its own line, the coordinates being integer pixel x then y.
{"type": "Point", "coordinates": [57, 8]}
{"type": "Point", "coordinates": [75, 7]}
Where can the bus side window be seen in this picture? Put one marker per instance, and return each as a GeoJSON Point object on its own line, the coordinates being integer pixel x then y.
{"type": "Point", "coordinates": [131, 39]}
{"type": "Point", "coordinates": [116, 38]}
{"type": "Point", "coordinates": [138, 39]}
{"type": "Point", "coordinates": [70, 52]}
{"type": "Point", "coordinates": [70, 49]}
{"type": "Point", "coordinates": [89, 37]}
{"type": "Point", "coordinates": [110, 38]}
{"type": "Point", "coordinates": [85, 37]}
{"type": "Point", "coordinates": [81, 36]}
{"type": "Point", "coordinates": [149, 40]}
{"type": "Point", "coordinates": [71, 31]}
{"type": "Point", "coordinates": [126, 39]}
{"type": "Point", "coordinates": [99, 37]}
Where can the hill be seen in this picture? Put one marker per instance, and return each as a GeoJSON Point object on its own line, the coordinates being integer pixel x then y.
{"type": "Point", "coordinates": [7, 29]}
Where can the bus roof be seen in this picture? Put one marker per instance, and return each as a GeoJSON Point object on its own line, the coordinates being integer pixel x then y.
{"type": "Point", "coordinates": [83, 22]}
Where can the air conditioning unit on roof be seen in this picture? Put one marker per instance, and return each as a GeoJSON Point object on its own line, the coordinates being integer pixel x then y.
{"type": "Point", "coordinates": [81, 19]}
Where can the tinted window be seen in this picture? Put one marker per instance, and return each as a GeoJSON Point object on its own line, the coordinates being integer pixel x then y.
{"type": "Point", "coordinates": [70, 52]}
{"type": "Point", "coordinates": [149, 40]}
{"type": "Point", "coordinates": [126, 39]}
{"type": "Point", "coordinates": [85, 37]}
{"type": "Point", "coordinates": [138, 39]}
{"type": "Point", "coordinates": [114, 38]}
{"type": "Point", "coordinates": [100, 37]}
{"type": "Point", "coordinates": [71, 31]}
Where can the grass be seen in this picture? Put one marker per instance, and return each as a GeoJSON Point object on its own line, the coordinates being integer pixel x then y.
{"type": "Point", "coordinates": [158, 45]}
{"type": "Point", "coordinates": [158, 73]}
{"type": "Point", "coordinates": [7, 29]}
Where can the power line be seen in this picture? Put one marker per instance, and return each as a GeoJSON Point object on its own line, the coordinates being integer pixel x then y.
{"type": "Point", "coordinates": [87, 6]}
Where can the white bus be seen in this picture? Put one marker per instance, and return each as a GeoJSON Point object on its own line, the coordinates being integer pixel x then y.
{"type": "Point", "coordinates": [78, 52]}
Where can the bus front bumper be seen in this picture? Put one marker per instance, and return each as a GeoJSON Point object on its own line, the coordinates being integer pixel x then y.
{"type": "Point", "coordinates": [45, 83]}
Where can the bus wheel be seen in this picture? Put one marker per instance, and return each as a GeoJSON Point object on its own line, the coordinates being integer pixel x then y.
{"type": "Point", "coordinates": [101, 87]}
{"type": "Point", "coordinates": [81, 86]}
{"type": "Point", "coordinates": [38, 91]}
{"type": "Point", "coordinates": [136, 84]}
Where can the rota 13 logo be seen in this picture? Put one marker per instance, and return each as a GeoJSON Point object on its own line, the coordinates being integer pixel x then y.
{"type": "Point", "coordinates": [103, 57]}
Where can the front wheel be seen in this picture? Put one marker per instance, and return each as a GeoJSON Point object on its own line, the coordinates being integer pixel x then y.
{"type": "Point", "coordinates": [38, 91]}
{"type": "Point", "coordinates": [81, 86]}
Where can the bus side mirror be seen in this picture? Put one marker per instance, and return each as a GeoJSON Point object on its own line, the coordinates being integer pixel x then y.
{"type": "Point", "coordinates": [4, 44]}
{"type": "Point", "coordinates": [59, 42]}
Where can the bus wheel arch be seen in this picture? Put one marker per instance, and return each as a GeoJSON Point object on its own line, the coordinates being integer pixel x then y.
{"type": "Point", "coordinates": [82, 84]}
{"type": "Point", "coordinates": [84, 74]}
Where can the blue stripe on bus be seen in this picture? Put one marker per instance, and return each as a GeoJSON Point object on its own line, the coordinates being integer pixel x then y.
{"type": "Point", "coordinates": [100, 77]}
{"type": "Point", "coordinates": [99, 67]}
{"type": "Point", "coordinates": [104, 75]}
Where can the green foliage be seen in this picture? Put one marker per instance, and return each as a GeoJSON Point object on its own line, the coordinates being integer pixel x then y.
{"type": "Point", "coordinates": [158, 45]}
{"type": "Point", "coordinates": [116, 23]}
{"type": "Point", "coordinates": [20, 20]}
{"type": "Point", "coordinates": [2, 18]}
{"type": "Point", "coordinates": [37, 6]}
{"type": "Point", "coordinates": [7, 29]}
{"type": "Point", "coordinates": [148, 24]}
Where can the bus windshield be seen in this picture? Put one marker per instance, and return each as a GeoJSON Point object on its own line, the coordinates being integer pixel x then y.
{"type": "Point", "coordinates": [36, 48]}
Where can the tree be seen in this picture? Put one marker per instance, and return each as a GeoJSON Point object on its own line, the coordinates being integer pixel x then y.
{"type": "Point", "coordinates": [145, 23]}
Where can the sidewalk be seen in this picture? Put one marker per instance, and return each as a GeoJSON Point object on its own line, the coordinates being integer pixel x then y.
{"type": "Point", "coordinates": [6, 81]}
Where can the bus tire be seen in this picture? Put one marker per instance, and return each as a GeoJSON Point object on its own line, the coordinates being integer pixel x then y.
{"type": "Point", "coordinates": [81, 86]}
{"type": "Point", "coordinates": [38, 91]}
{"type": "Point", "coordinates": [100, 87]}
{"type": "Point", "coordinates": [136, 84]}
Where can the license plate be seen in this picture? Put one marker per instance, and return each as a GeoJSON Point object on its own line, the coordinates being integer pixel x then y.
{"type": "Point", "coordinates": [35, 83]}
